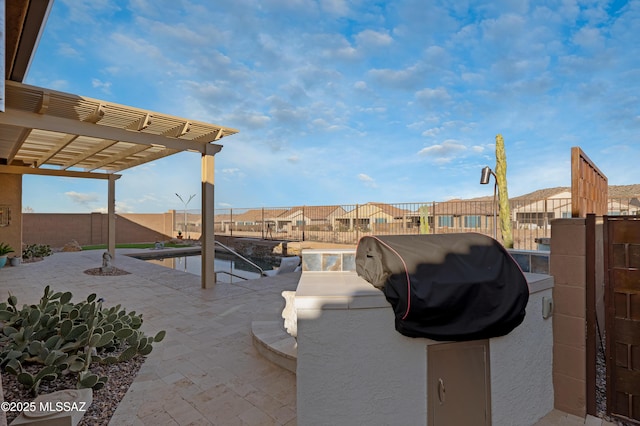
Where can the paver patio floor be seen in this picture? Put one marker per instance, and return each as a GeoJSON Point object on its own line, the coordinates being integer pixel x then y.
{"type": "Point", "coordinates": [206, 371]}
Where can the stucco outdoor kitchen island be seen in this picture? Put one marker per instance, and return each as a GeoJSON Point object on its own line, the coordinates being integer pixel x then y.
{"type": "Point", "coordinates": [353, 367]}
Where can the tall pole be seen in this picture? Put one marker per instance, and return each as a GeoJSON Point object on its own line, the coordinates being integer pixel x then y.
{"type": "Point", "coordinates": [185, 211]}
{"type": "Point", "coordinates": [495, 209]}
{"type": "Point", "coordinates": [484, 179]}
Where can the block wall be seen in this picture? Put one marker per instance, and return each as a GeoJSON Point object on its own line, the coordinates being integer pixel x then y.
{"type": "Point", "coordinates": [567, 266]}
{"type": "Point", "coordinates": [57, 229]}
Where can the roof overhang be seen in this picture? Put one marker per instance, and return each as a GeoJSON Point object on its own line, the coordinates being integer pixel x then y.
{"type": "Point", "coordinates": [47, 129]}
{"type": "Point", "coordinates": [47, 132]}
{"type": "Point", "coordinates": [25, 21]}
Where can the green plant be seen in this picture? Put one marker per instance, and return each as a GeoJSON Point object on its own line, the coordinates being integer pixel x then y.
{"type": "Point", "coordinates": [61, 337]}
{"type": "Point", "coordinates": [36, 250]}
{"type": "Point", "coordinates": [424, 219]}
{"type": "Point", "coordinates": [503, 196]}
{"type": "Point", "coordinates": [5, 249]}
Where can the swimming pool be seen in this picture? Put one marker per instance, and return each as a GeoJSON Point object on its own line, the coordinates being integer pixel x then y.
{"type": "Point", "coordinates": [229, 268]}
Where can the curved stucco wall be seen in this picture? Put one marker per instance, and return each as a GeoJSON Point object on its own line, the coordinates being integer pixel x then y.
{"type": "Point", "coordinates": [522, 368]}
{"type": "Point", "coordinates": [354, 368]}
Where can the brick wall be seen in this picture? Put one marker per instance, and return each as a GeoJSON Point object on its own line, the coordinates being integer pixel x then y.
{"type": "Point", "coordinates": [568, 251]}
{"type": "Point", "coordinates": [57, 229]}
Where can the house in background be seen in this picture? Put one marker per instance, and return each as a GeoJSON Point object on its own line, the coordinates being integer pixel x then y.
{"type": "Point", "coordinates": [624, 207]}
{"type": "Point", "coordinates": [536, 210]}
{"type": "Point", "coordinates": [319, 218]}
{"type": "Point", "coordinates": [257, 217]}
{"type": "Point", "coordinates": [223, 222]}
{"type": "Point", "coordinates": [462, 215]}
{"type": "Point", "coordinates": [375, 217]}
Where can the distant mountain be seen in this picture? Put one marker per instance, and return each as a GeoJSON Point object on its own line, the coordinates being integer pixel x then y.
{"type": "Point", "coordinates": [542, 194]}
{"type": "Point", "coordinates": [615, 191]}
{"type": "Point", "coordinates": [624, 191]}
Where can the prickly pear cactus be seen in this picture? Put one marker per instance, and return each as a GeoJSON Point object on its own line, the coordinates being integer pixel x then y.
{"type": "Point", "coordinates": [503, 196]}
{"type": "Point", "coordinates": [63, 337]}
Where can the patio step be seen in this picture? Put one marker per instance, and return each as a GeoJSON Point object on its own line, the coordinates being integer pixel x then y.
{"type": "Point", "coordinates": [275, 344]}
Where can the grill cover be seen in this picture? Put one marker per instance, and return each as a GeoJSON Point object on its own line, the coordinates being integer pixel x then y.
{"type": "Point", "coordinates": [450, 287]}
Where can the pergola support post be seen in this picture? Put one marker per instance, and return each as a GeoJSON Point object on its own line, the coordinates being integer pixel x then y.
{"type": "Point", "coordinates": [208, 221]}
{"type": "Point", "coordinates": [111, 216]}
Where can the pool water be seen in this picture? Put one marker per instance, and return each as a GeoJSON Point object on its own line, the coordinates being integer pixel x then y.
{"type": "Point", "coordinates": [225, 265]}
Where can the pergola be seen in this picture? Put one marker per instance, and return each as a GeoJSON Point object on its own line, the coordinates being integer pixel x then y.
{"type": "Point", "coordinates": [51, 133]}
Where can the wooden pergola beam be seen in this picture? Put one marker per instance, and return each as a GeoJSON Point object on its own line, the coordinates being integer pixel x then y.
{"type": "Point", "coordinates": [25, 170]}
{"type": "Point", "coordinates": [13, 117]}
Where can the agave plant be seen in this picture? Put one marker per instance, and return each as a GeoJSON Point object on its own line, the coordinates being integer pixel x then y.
{"type": "Point", "coordinates": [5, 249]}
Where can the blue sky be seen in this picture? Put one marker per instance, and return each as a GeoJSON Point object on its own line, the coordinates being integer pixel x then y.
{"type": "Point", "coordinates": [341, 102]}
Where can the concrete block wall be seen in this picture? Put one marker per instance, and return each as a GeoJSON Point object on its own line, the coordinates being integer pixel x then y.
{"type": "Point", "coordinates": [568, 267]}
{"type": "Point", "coordinates": [57, 229]}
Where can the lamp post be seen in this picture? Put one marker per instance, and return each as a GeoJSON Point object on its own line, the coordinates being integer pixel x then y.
{"type": "Point", "coordinates": [484, 179]}
{"type": "Point", "coordinates": [185, 211]}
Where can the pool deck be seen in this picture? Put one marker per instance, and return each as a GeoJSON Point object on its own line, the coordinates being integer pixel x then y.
{"type": "Point", "coordinates": [207, 370]}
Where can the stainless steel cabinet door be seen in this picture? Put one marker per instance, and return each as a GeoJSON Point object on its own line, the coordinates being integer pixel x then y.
{"type": "Point", "coordinates": [458, 384]}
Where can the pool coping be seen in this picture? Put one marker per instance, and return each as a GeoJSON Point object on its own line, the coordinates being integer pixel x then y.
{"type": "Point", "coordinates": [154, 253]}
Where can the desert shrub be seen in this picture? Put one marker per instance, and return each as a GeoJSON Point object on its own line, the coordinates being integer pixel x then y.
{"type": "Point", "coordinates": [61, 337]}
{"type": "Point", "coordinates": [32, 251]}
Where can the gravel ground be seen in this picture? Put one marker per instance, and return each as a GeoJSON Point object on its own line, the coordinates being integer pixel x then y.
{"type": "Point", "coordinates": [98, 271]}
{"type": "Point", "coordinates": [105, 400]}
{"type": "Point", "coordinates": [601, 382]}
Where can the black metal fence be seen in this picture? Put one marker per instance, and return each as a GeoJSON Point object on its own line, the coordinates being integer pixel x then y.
{"type": "Point", "coordinates": [347, 223]}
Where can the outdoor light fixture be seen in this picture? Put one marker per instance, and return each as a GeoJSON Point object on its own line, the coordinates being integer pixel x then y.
{"type": "Point", "coordinates": [484, 179]}
{"type": "Point", "coordinates": [486, 175]}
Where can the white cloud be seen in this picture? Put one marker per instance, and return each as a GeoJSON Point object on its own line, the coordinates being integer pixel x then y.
{"type": "Point", "coordinates": [86, 11]}
{"type": "Point", "coordinates": [335, 7]}
{"type": "Point", "coordinates": [360, 85]}
{"type": "Point", "coordinates": [230, 171]}
{"type": "Point", "coordinates": [370, 38]}
{"type": "Point", "coordinates": [431, 97]}
{"type": "Point", "coordinates": [505, 28]}
{"type": "Point", "coordinates": [84, 199]}
{"type": "Point", "coordinates": [256, 121]}
{"type": "Point", "coordinates": [346, 52]}
{"type": "Point", "coordinates": [367, 180]}
{"type": "Point", "coordinates": [179, 33]}
{"type": "Point", "coordinates": [444, 152]}
{"type": "Point", "coordinates": [432, 132]}
{"type": "Point", "coordinates": [123, 207]}
{"type": "Point", "coordinates": [589, 38]}
{"type": "Point", "coordinates": [67, 50]}
{"type": "Point", "coordinates": [406, 78]}
{"type": "Point", "coordinates": [104, 86]}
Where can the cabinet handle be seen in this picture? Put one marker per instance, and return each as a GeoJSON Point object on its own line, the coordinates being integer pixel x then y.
{"type": "Point", "coordinates": [441, 391]}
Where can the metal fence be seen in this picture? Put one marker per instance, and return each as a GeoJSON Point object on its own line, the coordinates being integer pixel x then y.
{"type": "Point", "coordinates": [347, 223]}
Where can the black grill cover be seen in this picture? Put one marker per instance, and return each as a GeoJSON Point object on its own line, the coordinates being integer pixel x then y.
{"type": "Point", "coordinates": [446, 287]}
